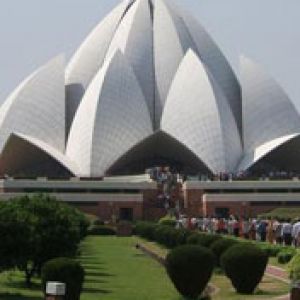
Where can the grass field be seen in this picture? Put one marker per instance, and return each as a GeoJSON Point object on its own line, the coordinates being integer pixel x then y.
{"type": "Point", "coordinates": [268, 289]}
{"type": "Point", "coordinates": [116, 270]}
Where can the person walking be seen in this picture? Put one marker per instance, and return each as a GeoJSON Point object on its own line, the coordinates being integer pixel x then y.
{"type": "Point", "coordinates": [236, 227]}
{"type": "Point", "coordinates": [270, 231]}
{"type": "Point", "coordinates": [262, 230]}
{"type": "Point", "coordinates": [286, 232]}
{"type": "Point", "coordinates": [296, 233]}
{"type": "Point", "coordinates": [230, 226]}
{"type": "Point", "coordinates": [252, 231]}
{"type": "Point", "coordinates": [246, 228]}
{"type": "Point", "coordinates": [277, 232]}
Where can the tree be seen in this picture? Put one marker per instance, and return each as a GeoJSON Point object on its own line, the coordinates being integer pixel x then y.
{"type": "Point", "coordinates": [37, 228]}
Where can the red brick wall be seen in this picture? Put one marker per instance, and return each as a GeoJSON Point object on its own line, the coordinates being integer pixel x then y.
{"type": "Point", "coordinates": [107, 209]}
{"type": "Point", "coordinates": [193, 202]}
{"type": "Point", "coordinates": [152, 206]}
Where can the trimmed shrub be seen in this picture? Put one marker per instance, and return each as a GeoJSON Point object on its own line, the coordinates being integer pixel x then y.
{"type": "Point", "coordinates": [203, 239]}
{"type": "Point", "coordinates": [101, 230]}
{"type": "Point", "coordinates": [285, 255]}
{"type": "Point", "coordinates": [294, 269]}
{"type": "Point", "coordinates": [166, 236]}
{"type": "Point", "coordinates": [244, 265]}
{"type": "Point", "coordinates": [182, 236]}
{"type": "Point", "coordinates": [220, 246]}
{"type": "Point", "coordinates": [146, 230]}
{"type": "Point", "coordinates": [67, 271]}
{"type": "Point", "coordinates": [271, 250]}
{"type": "Point", "coordinates": [190, 267]}
{"type": "Point", "coordinates": [168, 221]}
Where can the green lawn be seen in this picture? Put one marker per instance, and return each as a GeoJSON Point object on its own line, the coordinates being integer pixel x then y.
{"type": "Point", "coordinates": [267, 289]}
{"type": "Point", "coordinates": [12, 287]}
{"type": "Point", "coordinates": [115, 270]}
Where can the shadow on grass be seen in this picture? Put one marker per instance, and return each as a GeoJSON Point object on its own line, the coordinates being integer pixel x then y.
{"type": "Point", "coordinates": [92, 267]}
{"type": "Point", "coordinates": [21, 285]}
{"type": "Point", "coordinates": [95, 273]}
{"type": "Point", "coordinates": [12, 296]}
{"type": "Point", "coordinates": [90, 259]}
{"type": "Point", "coordinates": [95, 291]}
{"type": "Point", "coordinates": [94, 280]}
{"type": "Point", "coordinates": [139, 255]}
{"type": "Point", "coordinates": [267, 293]}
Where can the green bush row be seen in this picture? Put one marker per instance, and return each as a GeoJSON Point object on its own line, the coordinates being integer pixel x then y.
{"type": "Point", "coordinates": [243, 262]}
{"type": "Point", "coordinates": [171, 237]}
{"type": "Point", "coordinates": [163, 234]}
{"type": "Point", "coordinates": [190, 266]}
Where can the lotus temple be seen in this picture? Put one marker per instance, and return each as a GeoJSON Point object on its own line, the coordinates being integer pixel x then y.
{"type": "Point", "coordinates": [150, 87]}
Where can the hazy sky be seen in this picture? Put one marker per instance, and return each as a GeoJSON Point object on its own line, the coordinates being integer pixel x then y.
{"type": "Point", "coordinates": [268, 31]}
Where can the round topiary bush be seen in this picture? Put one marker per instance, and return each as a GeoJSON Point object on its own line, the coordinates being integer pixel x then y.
{"type": "Point", "coordinates": [294, 269]}
{"type": "Point", "coordinates": [64, 270]}
{"type": "Point", "coordinates": [220, 246]}
{"type": "Point", "coordinates": [190, 267]}
{"type": "Point", "coordinates": [244, 265]}
{"type": "Point", "coordinates": [285, 255]}
{"type": "Point", "coordinates": [203, 239]}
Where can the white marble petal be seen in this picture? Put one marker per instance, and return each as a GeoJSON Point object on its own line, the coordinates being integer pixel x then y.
{"type": "Point", "coordinates": [197, 114]}
{"type": "Point", "coordinates": [37, 107]}
{"type": "Point", "coordinates": [109, 120]}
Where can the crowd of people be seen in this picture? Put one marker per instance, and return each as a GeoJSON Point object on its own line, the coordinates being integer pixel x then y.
{"type": "Point", "coordinates": [247, 175]}
{"type": "Point", "coordinates": [162, 174]}
{"type": "Point", "coordinates": [282, 232]}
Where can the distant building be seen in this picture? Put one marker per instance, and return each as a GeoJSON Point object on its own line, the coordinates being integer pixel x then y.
{"type": "Point", "coordinates": [139, 197]}
{"type": "Point", "coordinates": [148, 86]}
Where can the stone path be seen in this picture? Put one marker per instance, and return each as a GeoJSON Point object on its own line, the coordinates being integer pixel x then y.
{"type": "Point", "coordinates": [277, 272]}
{"type": "Point", "coordinates": [280, 274]}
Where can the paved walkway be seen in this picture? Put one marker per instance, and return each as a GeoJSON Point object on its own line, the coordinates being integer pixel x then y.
{"type": "Point", "coordinates": [280, 274]}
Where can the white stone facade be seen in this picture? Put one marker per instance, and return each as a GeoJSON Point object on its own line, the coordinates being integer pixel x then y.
{"type": "Point", "coordinates": [148, 73]}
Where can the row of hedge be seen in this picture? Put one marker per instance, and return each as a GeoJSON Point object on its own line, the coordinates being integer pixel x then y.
{"type": "Point", "coordinates": [190, 267]}
{"type": "Point", "coordinates": [164, 235]}
{"type": "Point", "coordinates": [194, 255]}
{"type": "Point", "coordinates": [171, 237]}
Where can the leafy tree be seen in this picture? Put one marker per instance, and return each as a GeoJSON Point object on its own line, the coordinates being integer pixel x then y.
{"type": "Point", "coordinates": [37, 228]}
